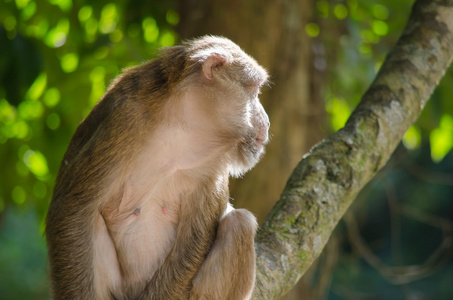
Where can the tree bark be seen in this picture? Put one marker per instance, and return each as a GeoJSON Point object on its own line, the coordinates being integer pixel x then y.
{"type": "Point", "coordinates": [328, 178]}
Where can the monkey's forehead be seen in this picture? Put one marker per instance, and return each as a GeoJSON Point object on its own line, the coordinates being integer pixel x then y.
{"type": "Point", "coordinates": [254, 75]}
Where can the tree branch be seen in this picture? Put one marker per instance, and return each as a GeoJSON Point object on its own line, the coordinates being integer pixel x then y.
{"type": "Point", "coordinates": [328, 178]}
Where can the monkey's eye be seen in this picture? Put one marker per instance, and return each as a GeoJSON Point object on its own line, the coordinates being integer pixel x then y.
{"type": "Point", "coordinates": [254, 91]}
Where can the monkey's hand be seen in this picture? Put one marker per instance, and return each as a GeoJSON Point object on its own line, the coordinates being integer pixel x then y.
{"type": "Point", "coordinates": [229, 269]}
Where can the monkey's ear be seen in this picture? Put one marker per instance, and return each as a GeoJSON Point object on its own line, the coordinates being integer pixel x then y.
{"type": "Point", "coordinates": [214, 60]}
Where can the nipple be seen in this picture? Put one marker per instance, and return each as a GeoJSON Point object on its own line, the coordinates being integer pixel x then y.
{"type": "Point", "coordinates": [137, 212]}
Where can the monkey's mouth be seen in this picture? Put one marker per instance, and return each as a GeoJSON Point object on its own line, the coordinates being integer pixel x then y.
{"type": "Point", "coordinates": [260, 142]}
{"type": "Point", "coordinates": [254, 144]}
{"type": "Point", "coordinates": [249, 152]}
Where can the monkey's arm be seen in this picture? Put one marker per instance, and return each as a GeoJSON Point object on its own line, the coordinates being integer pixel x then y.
{"type": "Point", "coordinates": [229, 270]}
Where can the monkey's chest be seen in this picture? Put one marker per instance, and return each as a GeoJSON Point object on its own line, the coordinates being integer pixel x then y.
{"type": "Point", "coordinates": [143, 237]}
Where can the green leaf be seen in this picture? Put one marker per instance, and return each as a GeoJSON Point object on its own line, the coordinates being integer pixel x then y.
{"type": "Point", "coordinates": [18, 194]}
{"type": "Point", "coordinates": [36, 163]}
{"type": "Point", "coordinates": [69, 62]}
{"type": "Point", "coordinates": [53, 121]}
{"type": "Point", "coordinates": [380, 27]}
{"type": "Point", "coordinates": [150, 30]}
{"type": "Point", "coordinates": [339, 110]}
{"type": "Point", "coordinates": [85, 13]}
{"type": "Point", "coordinates": [109, 18]}
{"type": "Point", "coordinates": [65, 5]}
{"type": "Point", "coordinates": [37, 88]}
{"type": "Point", "coordinates": [340, 11]}
{"type": "Point", "coordinates": [441, 138]}
{"type": "Point", "coordinates": [172, 17]}
{"type": "Point", "coordinates": [380, 12]}
{"type": "Point", "coordinates": [412, 138]}
{"type": "Point", "coordinates": [312, 29]}
{"type": "Point", "coordinates": [51, 97]}
{"type": "Point", "coordinates": [57, 36]}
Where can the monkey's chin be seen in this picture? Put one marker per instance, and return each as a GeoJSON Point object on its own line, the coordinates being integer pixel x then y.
{"type": "Point", "coordinates": [247, 156]}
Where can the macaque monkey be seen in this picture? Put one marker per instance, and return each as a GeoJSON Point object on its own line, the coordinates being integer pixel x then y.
{"type": "Point", "coordinates": [141, 206]}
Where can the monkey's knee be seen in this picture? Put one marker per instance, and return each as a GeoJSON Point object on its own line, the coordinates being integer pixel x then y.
{"type": "Point", "coordinates": [238, 222]}
{"type": "Point", "coordinates": [229, 270]}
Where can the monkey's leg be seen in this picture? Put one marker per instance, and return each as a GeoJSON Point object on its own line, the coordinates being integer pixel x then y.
{"type": "Point", "coordinates": [229, 270]}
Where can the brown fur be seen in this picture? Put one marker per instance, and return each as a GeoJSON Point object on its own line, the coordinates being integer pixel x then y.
{"type": "Point", "coordinates": [139, 210]}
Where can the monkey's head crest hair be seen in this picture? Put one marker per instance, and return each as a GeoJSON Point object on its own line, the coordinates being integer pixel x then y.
{"type": "Point", "coordinates": [227, 54]}
{"type": "Point", "coordinates": [202, 48]}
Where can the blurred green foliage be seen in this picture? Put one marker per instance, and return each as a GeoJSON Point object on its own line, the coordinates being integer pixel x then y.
{"type": "Point", "coordinates": [365, 37]}
{"type": "Point", "coordinates": [56, 59]}
{"type": "Point", "coordinates": [58, 56]}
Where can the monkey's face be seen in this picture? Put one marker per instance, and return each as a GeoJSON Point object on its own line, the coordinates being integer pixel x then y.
{"type": "Point", "coordinates": [254, 136]}
{"type": "Point", "coordinates": [240, 113]}
{"type": "Point", "coordinates": [243, 124]}
{"type": "Point", "coordinates": [224, 122]}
